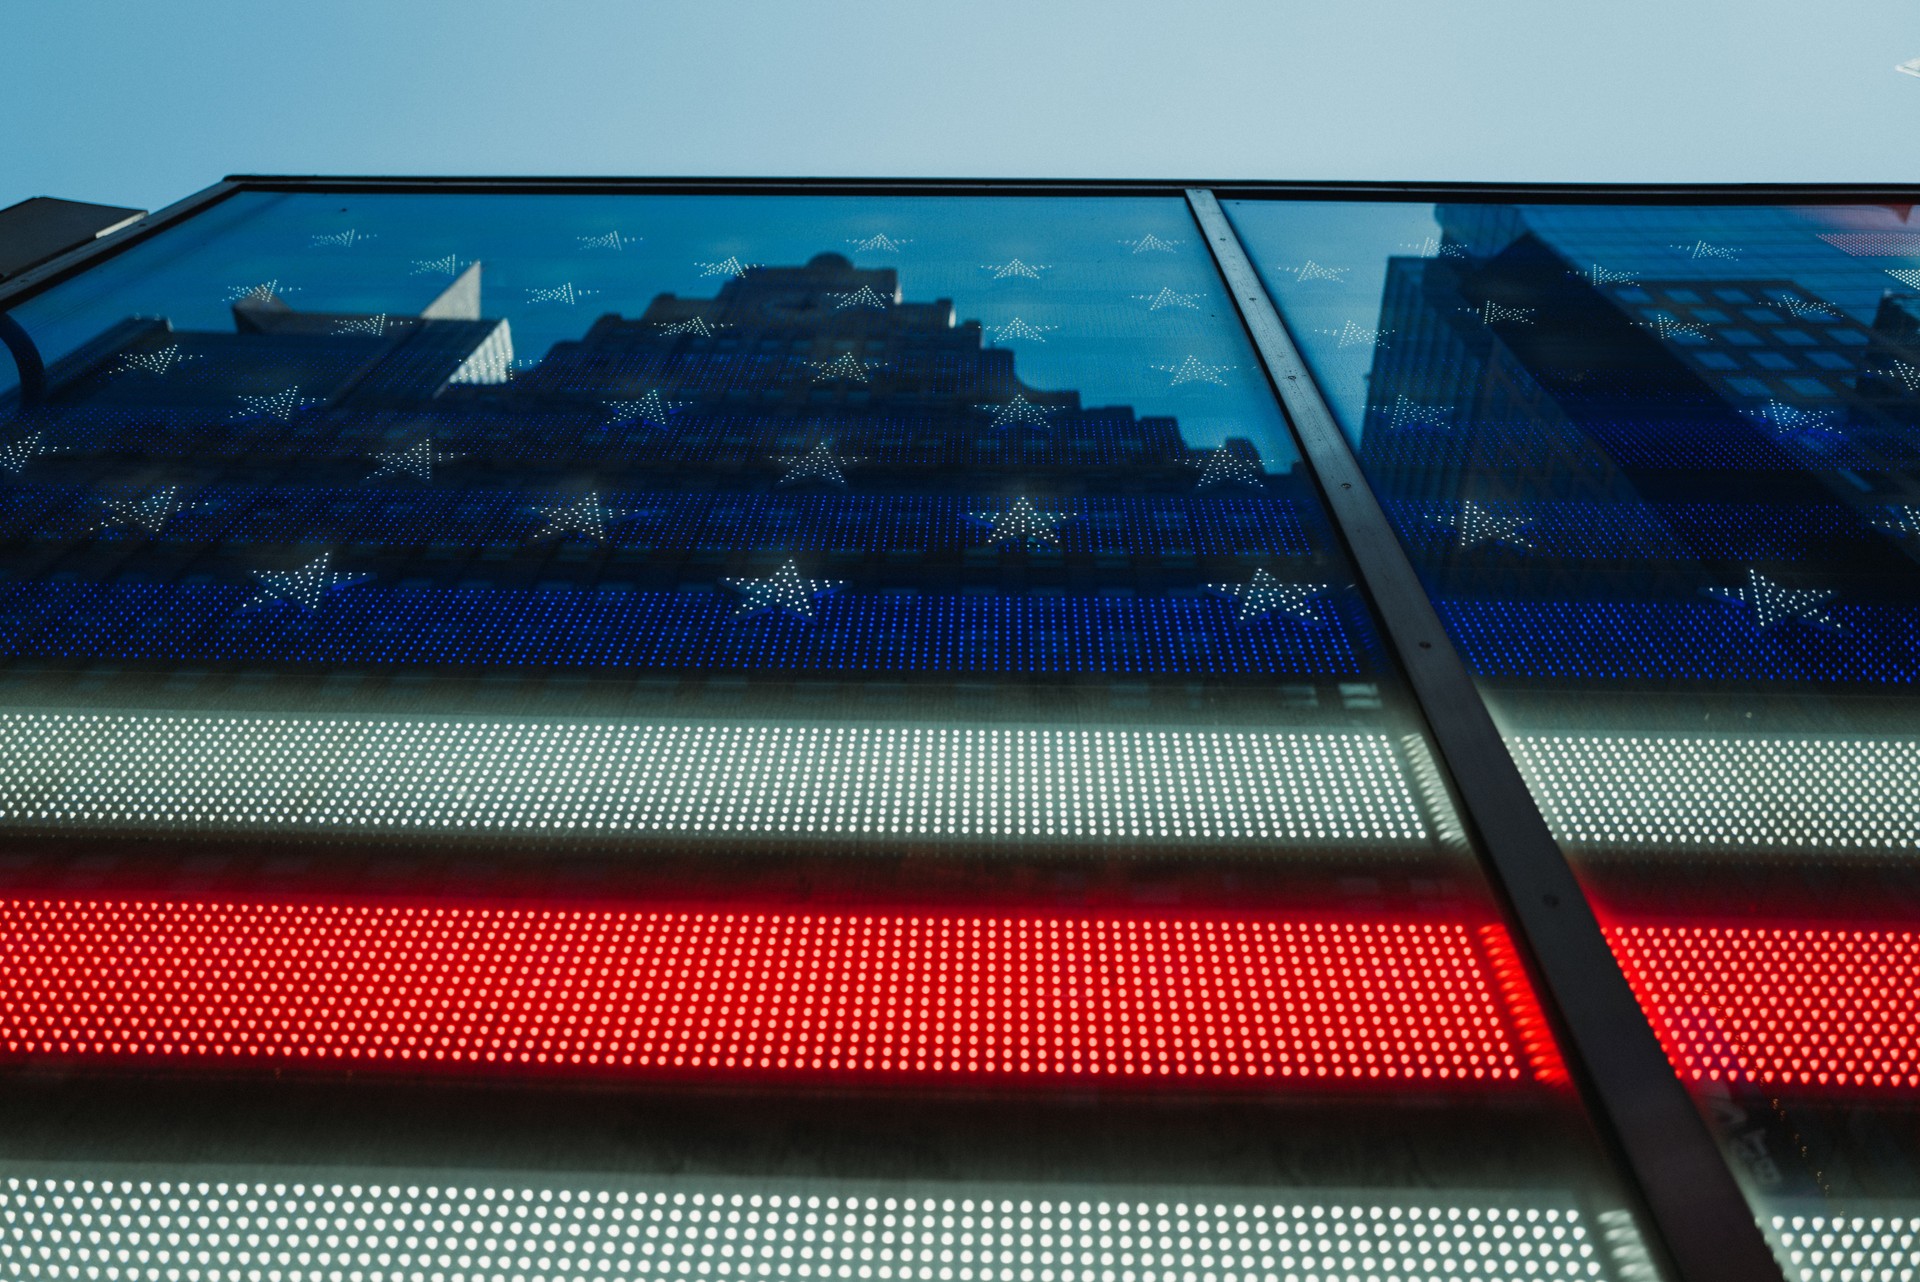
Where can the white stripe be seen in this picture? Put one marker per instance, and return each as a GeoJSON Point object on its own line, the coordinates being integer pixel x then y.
{"type": "Point", "coordinates": [1882, 1245]}
{"type": "Point", "coordinates": [367, 777]}
{"type": "Point", "coordinates": [1790, 796]}
{"type": "Point", "coordinates": [112, 1230]}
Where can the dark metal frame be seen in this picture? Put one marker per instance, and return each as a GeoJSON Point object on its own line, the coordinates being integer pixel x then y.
{"type": "Point", "coordinates": [1696, 1206]}
{"type": "Point", "coordinates": [29, 283]}
{"type": "Point", "coordinates": [1702, 1223]}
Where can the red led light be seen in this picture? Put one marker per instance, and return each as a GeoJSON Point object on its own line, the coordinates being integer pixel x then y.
{"type": "Point", "coordinates": [1780, 1007]}
{"type": "Point", "coordinates": [1205, 1002]}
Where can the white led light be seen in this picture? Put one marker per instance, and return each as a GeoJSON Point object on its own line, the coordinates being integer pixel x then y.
{"type": "Point", "coordinates": [1699, 794]}
{"type": "Point", "coordinates": [341, 776]}
{"type": "Point", "coordinates": [199, 1230]}
{"type": "Point", "coordinates": [1822, 1246]}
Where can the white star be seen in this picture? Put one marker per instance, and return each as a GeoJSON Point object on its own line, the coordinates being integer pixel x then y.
{"type": "Point", "coordinates": [156, 362]}
{"type": "Point", "coordinates": [344, 239]}
{"type": "Point", "coordinates": [1405, 413]}
{"type": "Point", "coordinates": [375, 325]}
{"type": "Point", "coordinates": [1267, 595]}
{"type": "Point", "coordinates": [1014, 267]}
{"type": "Point", "coordinates": [1773, 604]}
{"type": "Point", "coordinates": [1352, 335]}
{"type": "Point", "coordinates": [1017, 410]}
{"type": "Point", "coordinates": [1168, 297]}
{"type": "Point", "coordinates": [150, 513]}
{"type": "Point", "coordinates": [15, 455]}
{"type": "Point", "coordinates": [1788, 420]}
{"type": "Point", "coordinates": [1017, 328]}
{"type": "Point", "coordinates": [819, 463]}
{"type": "Point", "coordinates": [281, 405]}
{"type": "Point", "coordinates": [1908, 376]}
{"type": "Point", "coordinates": [652, 407]}
{"type": "Point", "coordinates": [728, 266]}
{"type": "Point", "coordinates": [586, 515]}
{"type": "Point", "coordinates": [1475, 525]}
{"type": "Point", "coordinates": [1314, 271]}
{"type": "Point", "coordinates": [1151, 244]}
{"type": "Point", "coordinates": [1192, 371]}
{"type": "Point", "coordinates": [303, 587]}
{"type": "Point", "coordinates": [1598, 275]}
{"type": "Point", "coordinates": [266, 291]}
{"type": "Point", "coordinates": [1492, 313]}
{"type": "Point", "coordinates": [1225, 467]}
{"type": "Point", "coordinates": [692, 325]}
{"type": "Point", "coordinates": [1664, 328]}
{"type": "Point", "coordinates": [1903, 522]}
{"type": "Point", "coordinates": [846, 366]}
{"type": "Point", "coordinates": [565, 292]}
{"type": "Point", "coordinates": [880, 243]}
{"type": "Point", "coordinates": [447, 266]}
{"type": "Point", "coordinates": [1701, 249]}
{"type": "Point", "coordinates": [416, 460]}
{"type": "Point", "coordinates": [783, 590]}
{"type": "Point", "coordinates": [608, 240]}
{"type": "Point", "coordinates": [1022, 523]}
{"type": "Point", "coordinates": [1906, 276]}
{"type": "Point", "coordinates": [1434, 247]}
{"type": "Point", "coordinates": [1802, 308]}
{"type": "Point", "coordinates": [862, 297]}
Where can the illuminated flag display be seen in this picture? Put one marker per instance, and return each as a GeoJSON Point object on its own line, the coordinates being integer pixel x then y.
{"type": "Point", "coordinates": [1153, 1002]}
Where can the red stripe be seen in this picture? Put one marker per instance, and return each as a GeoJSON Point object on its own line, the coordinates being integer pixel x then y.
{"type": "Point", "coordinates": [1219, 1001]}
{"type": "Point", "coordinates": [1781, 1007]}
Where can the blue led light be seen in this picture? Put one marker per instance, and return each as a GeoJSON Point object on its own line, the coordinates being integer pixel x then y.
{"type": "Point", "coordinates": [1660, 640]}
{"type": "Point", "coordinates": [694, 629]}
{"type": "Point", "coordinates": [402, 517]}
{"type": "Point", "coordinates": [1627, 530]}
{"type": "Point", "coordinates": [747, 433]}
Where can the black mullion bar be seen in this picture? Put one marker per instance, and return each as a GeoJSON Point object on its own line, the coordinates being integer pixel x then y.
{"type": "Point", "coordinates": [29, 283]}
{"type": "Point", "coordinates": [1698, 1211]}
{"type": "Point", "coordinates": [1425, 192]}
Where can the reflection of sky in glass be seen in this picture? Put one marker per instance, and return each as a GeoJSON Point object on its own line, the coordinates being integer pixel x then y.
{"type": "Point", "coordinates": [1094, 315]}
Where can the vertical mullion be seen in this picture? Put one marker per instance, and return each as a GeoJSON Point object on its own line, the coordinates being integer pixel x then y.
{"type": "Point", "coordinates": [1698, 1212]}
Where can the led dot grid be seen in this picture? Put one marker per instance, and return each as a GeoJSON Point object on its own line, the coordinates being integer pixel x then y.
{"type": "Point", "coordinates": [1851, 1248]}
{"type": "Point", "coordinates": [1780, 1007]}
{"type": "Point", "coordinates": [402, 516]}
{"type": "Point", "coordinates": [1653, 531]}
{"type": "Point", "coordinates": [1710, 437]}
{"type": "Point", "coordinates": [1676, 640]}
{"type": "Point", "coordinates": [198, 1230]}
{"type": "Point", "coordinates": [889, 438]}
{"type": "Point", "coordinates": [569, 627]}
{"type": "Point", "coordinates": [1517, 443]}
{"type": "Point", "coordinates": [1789, 796]}
{"type": "Point", "coordinates": [1884, 244]}
{"type": "Point", "coordinates": [598, 780]}
{"type": "Point", "coordinates": [1204, 1002]}
{"type": "Point", "coordinates": [702, 434]}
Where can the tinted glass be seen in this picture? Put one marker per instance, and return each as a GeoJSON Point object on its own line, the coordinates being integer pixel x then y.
{"type": "Point", "coordinates": [640, 733]}
{"type": "Point", "coordinates": [1660, 467]}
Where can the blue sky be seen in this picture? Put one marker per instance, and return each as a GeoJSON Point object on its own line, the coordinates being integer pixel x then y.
{"type": "Point", "coordinates": [140, 103]}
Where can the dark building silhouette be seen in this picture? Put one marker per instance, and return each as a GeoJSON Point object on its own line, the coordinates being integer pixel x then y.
{"type": "Point", "coordinates": [1585, 467]}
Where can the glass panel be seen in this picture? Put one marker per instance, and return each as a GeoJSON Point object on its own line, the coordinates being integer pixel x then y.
{"type": "Point", "coordinates": [558, 697]}
{"type": "Point", "coordinates": [1660, 467]}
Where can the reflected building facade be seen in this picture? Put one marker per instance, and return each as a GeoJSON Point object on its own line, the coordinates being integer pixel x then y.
{"type": "Point", "coordinates": [1592, 465]}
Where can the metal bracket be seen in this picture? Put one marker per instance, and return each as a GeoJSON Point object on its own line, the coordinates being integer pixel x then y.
{"type": "Point", "coordinates": [1698, 1212]}
{"type": "Point", "coordinates": [33, 280]}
